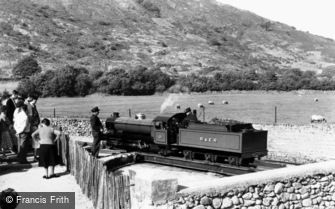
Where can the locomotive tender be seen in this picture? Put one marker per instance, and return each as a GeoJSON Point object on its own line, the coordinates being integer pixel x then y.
{"type": "Point", "coordinates": [231, 142]}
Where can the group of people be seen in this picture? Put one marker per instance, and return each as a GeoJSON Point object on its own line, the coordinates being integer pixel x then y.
{"type": "Point", "coordinates": [21, 131]}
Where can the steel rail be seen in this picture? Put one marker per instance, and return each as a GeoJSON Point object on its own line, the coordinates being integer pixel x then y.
{"type": "Point", "coordinates": [227, 170]}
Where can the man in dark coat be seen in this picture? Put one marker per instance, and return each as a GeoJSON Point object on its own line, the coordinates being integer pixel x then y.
{"type": "Point", "coordinates": [97, 128]}
{"type": "Point", "coordinates": [190, 117]}
{"type": "Point", "coordinates": [10, 104]}
{"type": "Point", "coordinates": [34, 120]}
{"type": "Point", "coordinates": [10, 108]}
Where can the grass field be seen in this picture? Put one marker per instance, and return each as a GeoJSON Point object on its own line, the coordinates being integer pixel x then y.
{"type": "Point", "coordinates": [8, 85]}
{"type": "Point", "coordinates": [304, 143]}
{"type": "Point", "coordinates": [256, 107]}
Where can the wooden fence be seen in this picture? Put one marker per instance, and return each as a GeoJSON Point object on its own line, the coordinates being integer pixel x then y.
{"type": "Point", "coordinates": [107, 189]}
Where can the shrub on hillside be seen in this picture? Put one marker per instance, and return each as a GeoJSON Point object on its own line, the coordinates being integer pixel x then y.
{"type": "Point", "coordinates": [178, 88]}
{"type": "Point", "coordinates": [83, 84]}
{"type": "Point", "coordinates": [26, 67]}
{"type": "Point", "coordinates": [26, 86]}
{"type": "Point", "coordinates": [140, 81]}
{"type": "Point", "coordinates": [151, 7]}
{"type": "Point", "coordinates": [69, 81]}
{"type": "Point", "coordinates": [214, 42]}
{"type": "Point", "coordinates": [114, 82]}
{"type": "Point", "coordinates": [41, 82]}
{"type": "Point", "coordinates": [65, 80]}
{"type": "Point", "coordinates": [94, 75]}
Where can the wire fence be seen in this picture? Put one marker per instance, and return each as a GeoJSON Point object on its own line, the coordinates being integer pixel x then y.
{"type": "Point", "coordinates": [79, 114]}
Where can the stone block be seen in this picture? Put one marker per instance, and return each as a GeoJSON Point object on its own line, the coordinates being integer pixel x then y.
{"type": "Point", "coordinates": [307, 202]}
{"type": "Point", "coordinates": [199, 207]}
{"type": "Point", "coordinates": [278, 188]}
{"type": "Point", "coordinates": [235, 200]}
{"type": "Point", "coordinates": [227, 203]}
{"type": "Point", "coordinates": [217, 202]}
{"type": "Point", "coordinates": [205, 201]}
{"type": "Point", "coordinates": [148, 190]}
{"type": "Point", "coordinates": [247, 196]}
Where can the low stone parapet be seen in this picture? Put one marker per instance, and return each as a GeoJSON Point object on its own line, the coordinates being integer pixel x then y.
{"type": "Point", "coordinates": [306, 186]}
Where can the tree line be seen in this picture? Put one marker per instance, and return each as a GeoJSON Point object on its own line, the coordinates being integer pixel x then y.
{"type": "Point", "coordinates": [284, 80]}
{"type": "Point", "coordinates": [73, 81]}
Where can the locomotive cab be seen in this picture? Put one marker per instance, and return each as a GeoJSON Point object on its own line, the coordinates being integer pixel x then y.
{"type": "Point", "coordinates": [166, 128]}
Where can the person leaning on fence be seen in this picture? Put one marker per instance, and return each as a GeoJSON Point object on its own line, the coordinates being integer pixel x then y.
{"type": "Point", "coordinates": [48, 150]}
{"type": "Point", "coordinates": [97, 128]}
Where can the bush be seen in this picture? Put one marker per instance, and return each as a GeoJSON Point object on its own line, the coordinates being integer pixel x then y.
{"type": "Point", "coordinates": [65, 80]}
{"type": "Point", "coordinates": [83, 85]}
{"type": "Point", "coordinates": [26, 67]}
{"type": "Point", "coordinates": [27, 86]}
{"type": "Point", "coordinates": [69, 81]}
{"type": "Point", "coordinates": [41, 82]}
{"type": "Point", "coordinates": [151, 7]}
{"type": "Point", "coordinates": [214, 42]}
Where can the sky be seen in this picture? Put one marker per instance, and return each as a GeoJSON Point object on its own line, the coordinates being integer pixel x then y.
{"type": "Point", "coordinates": [314, 16]}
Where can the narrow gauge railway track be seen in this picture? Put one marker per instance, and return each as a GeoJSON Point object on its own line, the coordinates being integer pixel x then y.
{"type": "Point", "coordinates": [200, 165]}
{"type": "Point", "coordinates": [262, 165]}
{"type": "Point", "coordinates": [224, 169]}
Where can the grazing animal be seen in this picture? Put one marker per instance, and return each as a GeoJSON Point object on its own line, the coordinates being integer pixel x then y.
{"type": "Point", "coordinates": [210, 102]}
{"type": "Point", "coordinates": [318, 119]}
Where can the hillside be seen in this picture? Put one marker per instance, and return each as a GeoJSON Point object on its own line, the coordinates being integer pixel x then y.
{"type": "Point", "coordinates": [177, 36]}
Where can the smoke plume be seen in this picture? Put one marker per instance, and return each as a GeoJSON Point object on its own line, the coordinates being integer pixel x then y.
{"type": "Point", "coordinates": [169, 101]}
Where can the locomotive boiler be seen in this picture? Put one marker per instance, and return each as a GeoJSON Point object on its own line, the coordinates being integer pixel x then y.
{"type": "Point", "coordinates": [167, 134]}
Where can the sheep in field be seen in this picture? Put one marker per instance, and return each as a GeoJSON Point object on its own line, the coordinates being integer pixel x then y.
{"type": "Point", "coordinates": [210, 102]}
{"type": "Point", "coordinates": [318, 119]}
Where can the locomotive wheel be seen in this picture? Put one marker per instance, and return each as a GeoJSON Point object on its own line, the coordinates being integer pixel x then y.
{"type": "Point", "coordinates": [231, 160]}
{"type": "Point", "coordinates": [188, 154]}
{"type": "Point", "coordinates": [234, 160]}
{"type": "Point", "coordinates": [248, 161]}
{"type": "Point", "coordinates": [210, 157]}
{"type": "Point", "coordinates": [214, 158]}
{"type": "Point", "coordinates": [163, 152]}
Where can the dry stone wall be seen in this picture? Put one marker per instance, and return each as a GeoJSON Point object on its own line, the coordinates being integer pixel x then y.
{"type": "Point", "coordinates": [73, 127]}
{"type": "Point", "coordinates": [309, 186]}
{"type": "Point", "coordinates": [317, 191]}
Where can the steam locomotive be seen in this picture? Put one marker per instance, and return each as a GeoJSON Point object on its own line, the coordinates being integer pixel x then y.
{"type": "Point", "coordinates": [235, 143]}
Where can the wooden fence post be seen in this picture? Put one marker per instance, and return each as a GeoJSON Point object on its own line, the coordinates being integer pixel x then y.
{"type": "Point", "coordinates": [275, 115]}
{"type": "Point", "coordinates": [203, 113]}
